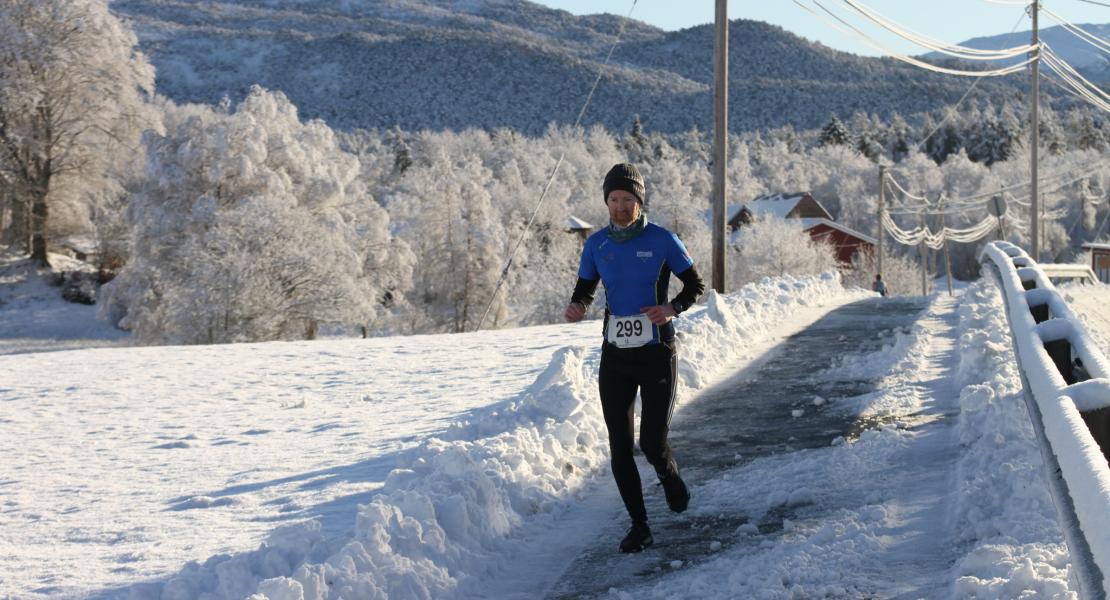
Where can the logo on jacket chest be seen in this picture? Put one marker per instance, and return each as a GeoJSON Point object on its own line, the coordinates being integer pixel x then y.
{"type": "Point", "coordinates": [644, 255]}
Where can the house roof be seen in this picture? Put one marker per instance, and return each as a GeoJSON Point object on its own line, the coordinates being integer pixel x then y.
{"type": "Point", "coordinates": [779, 206]}
{"type": "Point", "coordinates": [574, 223]}
{"type": "Point", "coordinates": [1093, 246]}
{"type": "Point", "coordinates": [775, 205]}
{"type": "Point", "coordinates": [808, 224]}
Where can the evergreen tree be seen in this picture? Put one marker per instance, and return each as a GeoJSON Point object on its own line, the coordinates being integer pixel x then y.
{"type": "Point", "coordinates": [402, 155]}
{"type": "Point", "coordinates": [635, 143]}
{"type": "Point", "coordinates": [835, 133]}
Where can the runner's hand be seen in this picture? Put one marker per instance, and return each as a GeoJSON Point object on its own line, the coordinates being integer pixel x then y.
{"type": "Point", "coordinates": [575, 312]}
{"type": "Point", "coordinates": [660, 314]}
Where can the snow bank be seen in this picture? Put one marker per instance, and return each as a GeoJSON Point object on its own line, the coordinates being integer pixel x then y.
{"type": "Point", "coordinates": [1004, 512]}
{"type": "Point", "coordinates": [1080, 459]}
{"type": "Point", "coordinates": [446, 517]}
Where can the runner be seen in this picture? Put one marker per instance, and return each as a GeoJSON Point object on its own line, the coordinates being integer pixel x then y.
{"type": "Point", "coordinates": [879, 285]}
{"type": "Point", "coordinates": [635, 259]}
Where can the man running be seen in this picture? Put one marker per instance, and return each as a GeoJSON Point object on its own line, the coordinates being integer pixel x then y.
{"type": "Point", "coordinates": [879, 285]}
{"type": "Point", "coordinates": [635, 259]}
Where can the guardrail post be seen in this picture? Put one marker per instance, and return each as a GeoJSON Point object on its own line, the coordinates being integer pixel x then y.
{"type": "Point", "coordinates": [1060, 353]}
{"type": "Point", "coordinates": [1098, 422]}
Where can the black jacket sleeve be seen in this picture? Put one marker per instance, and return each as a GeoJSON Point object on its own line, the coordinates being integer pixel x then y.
{"type": "Point", "coordinates": [584, 291]}
{"type": "Point", "coordinates": [692, 287]}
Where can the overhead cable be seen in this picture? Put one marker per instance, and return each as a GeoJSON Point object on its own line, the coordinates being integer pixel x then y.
{"type": "Point", "coordinates": [960, 205]}
{"type": "Point", "coordinates": [1078, 31]}
{"type": "Point", "coordinates": [1087, 90]}
{"type": "Point", "coordinates": [957, 51]}
{"type": "Point", "coordinates": [855, 32]}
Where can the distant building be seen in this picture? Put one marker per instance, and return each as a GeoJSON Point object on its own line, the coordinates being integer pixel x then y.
{"type": "Point", "coordinates": [1100, 260]}
{"type": "Point", "coordinates": [800, 205]}
{"type": "Point", "coordinates": [576, 225]}
{"type": "Point", "coordinates": [814, 219]}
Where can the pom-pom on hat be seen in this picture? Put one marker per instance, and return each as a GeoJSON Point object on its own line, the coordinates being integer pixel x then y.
{"type": "Point", "coordinates": [624, 177]}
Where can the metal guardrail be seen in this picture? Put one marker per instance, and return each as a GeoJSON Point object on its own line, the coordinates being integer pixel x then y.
{"type": "Point", "coordinates": [1067, 390]}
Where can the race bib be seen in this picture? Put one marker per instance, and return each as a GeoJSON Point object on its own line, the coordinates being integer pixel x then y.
{"type": "Point", "coordinates": [629, 332]}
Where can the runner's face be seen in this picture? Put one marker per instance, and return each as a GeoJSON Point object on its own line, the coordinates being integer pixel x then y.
{"type": "Point", "coordinates": [624, 208]}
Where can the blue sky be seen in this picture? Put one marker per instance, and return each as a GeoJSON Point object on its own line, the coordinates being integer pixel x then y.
{"type": "Point", "coordinates": [947, 20]}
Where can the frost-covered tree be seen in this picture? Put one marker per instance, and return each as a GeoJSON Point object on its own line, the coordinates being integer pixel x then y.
{"type": "Point", "coordinates": [1088, 134]}
{"type": "Point", "coordinates": [251, 225]}
{"type": "Point", "coordinates": [674, 202]}
{"type": "Point", "coordinates": [901, 272]}
{"type": "Point", "coordinates": [898, 137]}
{"type": "Point", "coordinates": [73, 102]}
{"type": "Point", "coordinates": [445, 213]}
{"type": "Point", "coordinates": [771, 247]}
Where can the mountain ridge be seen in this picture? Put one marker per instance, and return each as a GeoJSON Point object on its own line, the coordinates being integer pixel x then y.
{"type": "Point", "coordinates": [446, 64]}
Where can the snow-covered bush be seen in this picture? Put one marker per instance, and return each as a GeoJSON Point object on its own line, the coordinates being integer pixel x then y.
{"type": "Point", "coordinates": [772, 247]}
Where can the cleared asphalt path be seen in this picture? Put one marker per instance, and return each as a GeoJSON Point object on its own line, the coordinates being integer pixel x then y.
{"type": "Point", "coordinates": [748, 416]}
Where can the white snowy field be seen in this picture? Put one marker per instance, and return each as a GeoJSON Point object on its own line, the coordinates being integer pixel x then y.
{"type": "Point", "coordinates": [474, 466]}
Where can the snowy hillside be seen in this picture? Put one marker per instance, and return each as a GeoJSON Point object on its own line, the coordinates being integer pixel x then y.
{"type": "Point", "coordinates": [511, 63]}
{"type": "Point", "coordinates": [474, 465]}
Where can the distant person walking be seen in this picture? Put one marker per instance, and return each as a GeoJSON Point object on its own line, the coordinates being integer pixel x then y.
{"type": "Point", "coordinates": [879, 285]}
{"type": "Point", "coordinates": [635, 259]}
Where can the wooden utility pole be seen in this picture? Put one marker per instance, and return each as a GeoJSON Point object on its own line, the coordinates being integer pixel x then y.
{"type": "Point", "coordinates": [947, 258]}
{"type": "Point", "coordinates": [882, 207]}
{"type": "Point", "coordinates": [720, 145]}
{"type": "Point", "coordinates": [1034, 211]}
{"type": "Point", "coordinates": [924, 262]}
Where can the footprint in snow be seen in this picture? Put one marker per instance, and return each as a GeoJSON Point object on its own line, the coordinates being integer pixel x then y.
{"type": "Point", "coordinates": [173, 445]}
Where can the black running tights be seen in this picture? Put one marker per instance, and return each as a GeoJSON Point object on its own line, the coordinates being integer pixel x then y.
{"type": "Point", "coordinates": [651, 369]}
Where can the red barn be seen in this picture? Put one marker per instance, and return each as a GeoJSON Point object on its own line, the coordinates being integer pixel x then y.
{"type": "Point", "coordinates": [814, 219]}
{"type": "Point", "coordinates": [846, 241]}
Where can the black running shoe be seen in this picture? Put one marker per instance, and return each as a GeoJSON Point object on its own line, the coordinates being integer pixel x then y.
{"type": "Point", "coordinates": [638, 538]}
{"type": "Point", "coordinates": [678, 496]}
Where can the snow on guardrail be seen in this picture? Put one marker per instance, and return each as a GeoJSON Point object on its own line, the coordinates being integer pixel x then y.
{"type": "Point", "coordinates": [1067, 383]}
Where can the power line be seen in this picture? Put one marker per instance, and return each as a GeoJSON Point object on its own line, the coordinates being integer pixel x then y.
{"type": "Point", "coordinates": [959, 205]}
{"type": "Point", "coordinates": [957, 51]}
{"type": "Point", "coordinates": [856, 32]}
{"type": "Point", "coordinates": [1079, 32]}
{"type": "Point", "coordinates": [1080, 84]}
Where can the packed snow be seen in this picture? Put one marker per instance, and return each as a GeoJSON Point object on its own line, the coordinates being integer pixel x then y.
{"type": "Point", "coordinates": [474, 465]}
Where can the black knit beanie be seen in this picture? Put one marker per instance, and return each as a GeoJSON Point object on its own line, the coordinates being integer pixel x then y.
{"type": "Point", "coordinates": [624, 177]}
